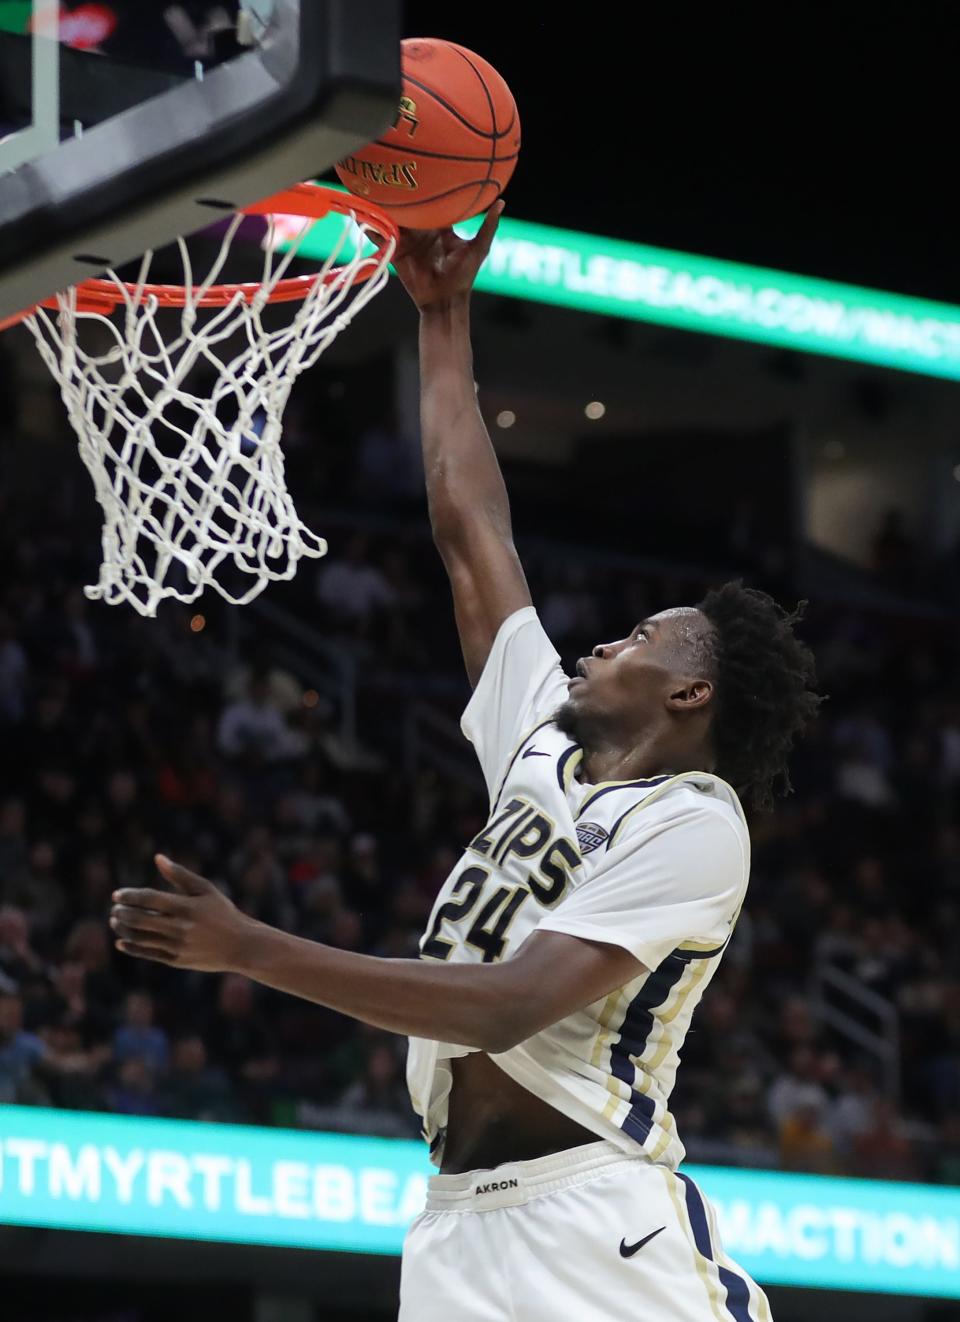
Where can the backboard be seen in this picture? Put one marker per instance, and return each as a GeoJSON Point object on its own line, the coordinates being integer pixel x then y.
{"type": "Point", "coordinates": [126, 124]}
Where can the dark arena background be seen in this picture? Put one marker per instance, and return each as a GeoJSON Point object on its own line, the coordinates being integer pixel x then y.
{"type": "Point", "coordinates": [719, 336]}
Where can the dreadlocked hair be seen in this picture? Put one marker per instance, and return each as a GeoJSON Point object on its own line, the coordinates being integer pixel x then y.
{"type": "Point", "coordinates": [765, 681]}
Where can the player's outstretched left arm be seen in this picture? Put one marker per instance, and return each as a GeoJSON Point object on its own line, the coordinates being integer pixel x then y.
{"type": "Point", "coordinates": [488, 1006]}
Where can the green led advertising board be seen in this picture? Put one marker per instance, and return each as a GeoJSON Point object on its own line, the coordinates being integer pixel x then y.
{"type": "Point", "coordinates": [616, 278]}
{"type": "Point", "coordinates": [246, 1185]}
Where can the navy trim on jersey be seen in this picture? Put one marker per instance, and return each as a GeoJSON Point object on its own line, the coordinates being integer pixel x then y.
{"type": "Point", "coordinates": [634, 1034]}
{"type": "Point", "coordinates": [738, 1294]}
{"type": "Point", "coordinates": [562, 764]}
{"type": "Point", "coordinates": [620, 785]}
{"type": "Point", "coordinates": [519, 749]}
{"type": "Point", "coordinates": [688, 955]}
{"type": "Point", "coordinates": [611, 838]}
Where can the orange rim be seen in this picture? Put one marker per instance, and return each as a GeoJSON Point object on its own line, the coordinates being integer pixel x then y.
{"type": "Point", "coordinates": [312, 201]}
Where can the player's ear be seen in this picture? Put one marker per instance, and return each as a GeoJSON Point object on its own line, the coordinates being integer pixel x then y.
{"type": "Point", "coordinates": [691, 694]}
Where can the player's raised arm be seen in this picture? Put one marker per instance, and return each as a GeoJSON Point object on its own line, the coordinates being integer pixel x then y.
{"type": "Point", "coordinates": [469, 509]}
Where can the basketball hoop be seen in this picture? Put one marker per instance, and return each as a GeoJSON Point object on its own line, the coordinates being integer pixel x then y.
{"type": "Point", "coordinates": [192, 485]}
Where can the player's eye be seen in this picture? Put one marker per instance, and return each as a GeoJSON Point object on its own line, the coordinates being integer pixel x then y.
{"type": "Point", "coordinates": [640, 632]}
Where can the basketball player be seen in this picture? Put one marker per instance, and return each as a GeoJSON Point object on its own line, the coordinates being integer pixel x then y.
{"type": "Point", "coordinates": [569, 947]}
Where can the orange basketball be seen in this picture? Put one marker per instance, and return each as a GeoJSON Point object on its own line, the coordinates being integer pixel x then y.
{"type": "Point", "coordinates": [453, 146]}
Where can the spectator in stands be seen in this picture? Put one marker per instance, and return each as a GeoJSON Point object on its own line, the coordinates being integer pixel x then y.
{"type": "Point", "coordinates": [20, 1054]}
{"type": "Point", "coordinates": [351, 587]}
{"type": "Point", "coordinates": [133, 1091]}
{"type": "Point", "coordinates": [139, 1036]}
{"type": "Point", "coordinates": [14, 674]}
{"type": "Point", "coordinates": [852, 1113]}
{"type": "Point", "coordinates": [949, 733]}
{"type": "Point", "coordinates": [50, 1065]}
{"type": "Point", "coordinates": [744, 1126]}
{"type": "Point", "coordinates": [195, 1089]}
{"type": "Point", "coordinates": [14, 849]}
{"type": "Point", "coordinates": [312, 806]}
{"type": "Point", "coordinates": [78, 650]}
{"type": "Point", "coordinates": [253, 730]}
{"type": "Point", "coordinates": [860, 776]}
{"type": "Point", "coordinates": [363, 881]}
{"type": "Point", "coordinates": [380, 1096]}
{"type": "Point", "coordinates": [805, 1143]}
{"type": "Point", "coordinates": [39, 891]}
{"type": "Point", "coordinates": [283, 691]}
{"type": "Point", "coordinates": [240, 1042]}
{"type": "Point", "coordinates": [87, 945]}
{"type": "Point", "coordinates": [261, 890]}
{"type": "Point", "coordinates": [69, 1008]}
{"type": "Point", "coordinates": [882, 1150]}
{"type": "Point", "coordinates": [798, 1090]}
{"type": "Point", "coordinates": [19, 962]}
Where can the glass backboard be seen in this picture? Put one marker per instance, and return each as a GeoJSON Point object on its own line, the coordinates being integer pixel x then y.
{"type": "Point", "coordinates": [128, 123]}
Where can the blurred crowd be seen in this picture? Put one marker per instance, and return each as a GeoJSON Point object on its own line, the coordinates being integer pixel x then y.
{"type": "Point", "coordinates": [122, 736]}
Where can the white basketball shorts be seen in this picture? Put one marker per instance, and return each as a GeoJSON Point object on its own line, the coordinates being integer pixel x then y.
{"type": "Point", "coordinates": [591, 1233]}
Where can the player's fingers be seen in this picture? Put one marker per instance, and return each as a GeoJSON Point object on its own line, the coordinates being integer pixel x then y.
{"type": "Point", "coordinates": [189, 883]}
{"type": "Point", "coordinates": [380, 241]}
{"type": "Point", "coordinates": [143, 897]}
{"type": "Point", "coordinates": [411, 243]}
{"type": "Point", "coordinates": [156, 953]}
{"type": "Point", "coordinates": [488, 229]}
{"type": "Point", "coordinates": [126, 918]}
{"type": "Point", "coordinates": [142, 936]}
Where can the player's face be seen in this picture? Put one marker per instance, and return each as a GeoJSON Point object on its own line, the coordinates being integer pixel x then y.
{"type": "Point", "coordinates": [627, 680]}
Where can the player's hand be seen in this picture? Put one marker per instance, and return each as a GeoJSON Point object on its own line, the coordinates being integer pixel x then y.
{"type": "Point", "coordinates": [437, 266]}
{"type": "Point", "coordinates": [196, 927]}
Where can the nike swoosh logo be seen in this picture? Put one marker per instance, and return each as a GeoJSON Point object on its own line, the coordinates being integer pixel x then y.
{"type": "Point", "coordinates": [628, 1250]}
{"type": "Point", "coordinates": [532, 752]}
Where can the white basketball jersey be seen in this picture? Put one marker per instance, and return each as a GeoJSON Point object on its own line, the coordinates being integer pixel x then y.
{"type": "Point", "coordinates": [657, 866]}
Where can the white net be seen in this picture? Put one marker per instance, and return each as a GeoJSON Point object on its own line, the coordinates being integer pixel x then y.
{"type": "Point", "coordinates": [192, 485]}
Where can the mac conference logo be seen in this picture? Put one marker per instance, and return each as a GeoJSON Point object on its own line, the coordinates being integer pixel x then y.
{"type": "Point", "coordinates": [590, 836]}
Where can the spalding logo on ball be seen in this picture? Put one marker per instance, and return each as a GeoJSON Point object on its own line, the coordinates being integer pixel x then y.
{"type": "Point", "coordinates": [453, 146]}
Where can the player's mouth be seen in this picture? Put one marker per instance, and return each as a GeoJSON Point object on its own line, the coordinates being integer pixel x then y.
{"type": "Point", "coordinates": [581, 676]}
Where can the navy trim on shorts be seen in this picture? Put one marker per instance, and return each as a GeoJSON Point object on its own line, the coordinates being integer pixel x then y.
{"type": "Point", "coordinates": [738, 1295]}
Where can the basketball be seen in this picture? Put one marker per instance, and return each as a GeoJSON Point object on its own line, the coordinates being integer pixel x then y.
{"type": "Point", "coordinates": [453, 146]}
